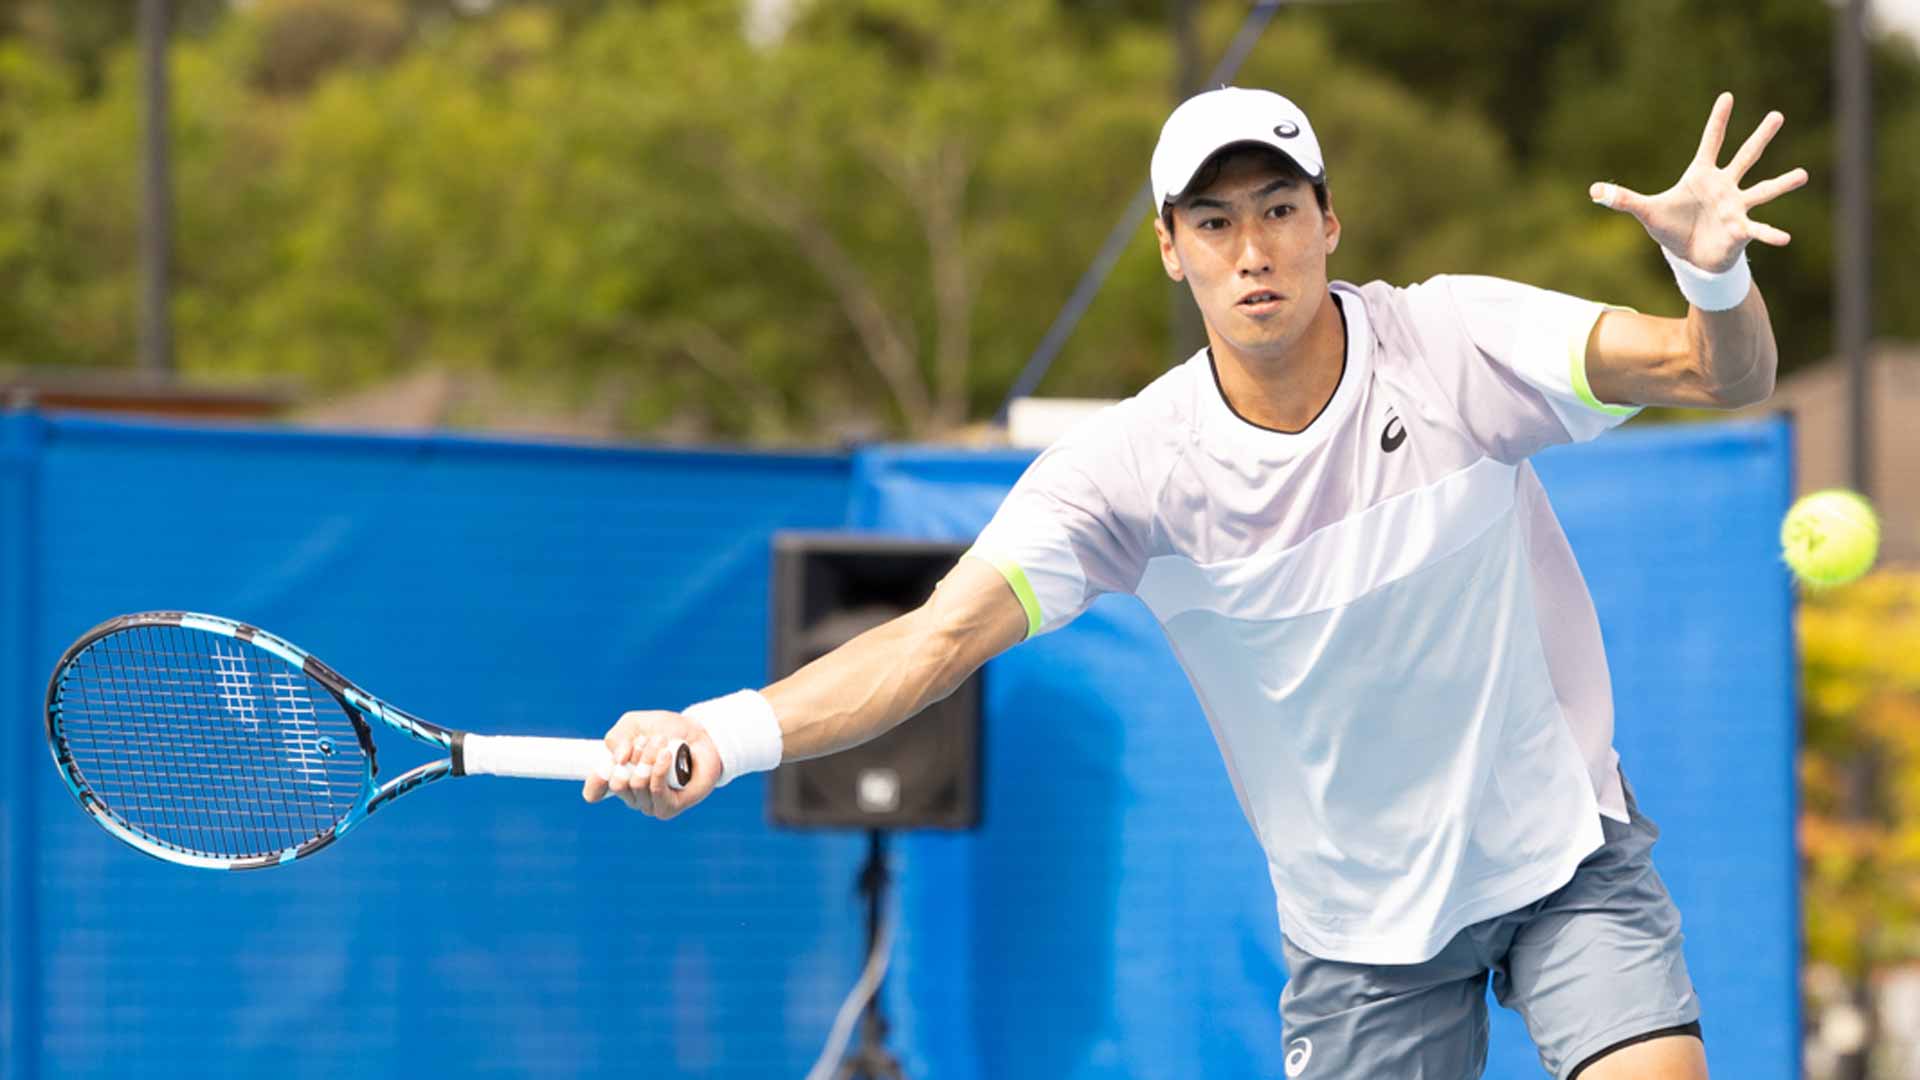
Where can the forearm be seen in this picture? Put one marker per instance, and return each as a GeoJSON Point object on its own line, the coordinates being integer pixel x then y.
{"type": "Point", "coordinates": [846, 697]}
{"type": "Point", "coordinates": [1734, 351]}
{"type": "Point", "coordinates": [1708, 360]}
{"type": "Point", "coordinates": [880, 678]}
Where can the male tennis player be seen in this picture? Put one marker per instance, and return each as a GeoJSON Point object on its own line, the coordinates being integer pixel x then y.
{"type": "Point", "coordinates": [1331, 512]}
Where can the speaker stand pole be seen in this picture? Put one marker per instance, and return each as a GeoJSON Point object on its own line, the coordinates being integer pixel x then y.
{"type": "Point", "coordinates": [870, 1060]}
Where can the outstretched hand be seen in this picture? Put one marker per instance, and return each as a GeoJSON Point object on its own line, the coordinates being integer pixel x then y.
{"type": "Point", "coordinates": [1703, 218]}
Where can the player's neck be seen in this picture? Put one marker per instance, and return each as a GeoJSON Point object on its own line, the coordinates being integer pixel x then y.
{"type": "Point", "coordinates": [1285, 390]}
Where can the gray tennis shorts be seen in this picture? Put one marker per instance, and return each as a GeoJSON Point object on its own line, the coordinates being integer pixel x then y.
{"type": "Point", "coordinates": [1590, 968]}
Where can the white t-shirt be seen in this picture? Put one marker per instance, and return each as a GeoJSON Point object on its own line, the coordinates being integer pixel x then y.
{"type": "Point", "coordinates": [1380, 615]}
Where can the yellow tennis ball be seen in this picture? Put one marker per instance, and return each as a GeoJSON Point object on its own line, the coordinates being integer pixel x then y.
{"type": "Point", "coordinates": [1830, 537]}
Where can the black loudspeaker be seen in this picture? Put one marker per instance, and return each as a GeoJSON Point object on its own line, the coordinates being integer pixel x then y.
{"type": "Point", "coordinates": [829, 588]}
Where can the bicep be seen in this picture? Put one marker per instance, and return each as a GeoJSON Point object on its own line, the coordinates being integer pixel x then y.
{"type": "Point", "coordinates": [979, 609]}
{"type": "Point", "coordinates": [1635, 359]}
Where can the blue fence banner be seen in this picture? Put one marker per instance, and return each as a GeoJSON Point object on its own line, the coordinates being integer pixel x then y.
{"type": "Point", "coordinates": [1111, 918]}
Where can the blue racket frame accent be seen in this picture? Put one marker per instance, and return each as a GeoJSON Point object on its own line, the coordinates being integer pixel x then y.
{"type": "Point", "coordinates": [355, 702]}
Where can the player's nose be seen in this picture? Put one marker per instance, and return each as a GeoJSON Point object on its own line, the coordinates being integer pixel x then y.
{"type": "Point", "coordinates": [1254, 258]}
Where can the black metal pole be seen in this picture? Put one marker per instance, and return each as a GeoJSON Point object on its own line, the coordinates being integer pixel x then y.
{"type": "Point", "coordinates": [156, 220]}
{"type": "Point", "coordinates": [875, 885]}
{"type": "Point", "coordinates": [1853, 270]}
{"type": "Point", "coordinates": [1853, 333]}
{"type": "Point", "coordinates": [1186, 329]}
{"type": "Point", "coordinates": [870, 1060]}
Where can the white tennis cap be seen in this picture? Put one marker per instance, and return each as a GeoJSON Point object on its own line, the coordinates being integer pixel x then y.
{"type": "Point", "coordinates": [1206, 123]}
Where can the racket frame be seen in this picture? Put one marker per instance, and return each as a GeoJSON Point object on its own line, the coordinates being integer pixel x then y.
{"type": "Point", "coordinates": [355, 702]}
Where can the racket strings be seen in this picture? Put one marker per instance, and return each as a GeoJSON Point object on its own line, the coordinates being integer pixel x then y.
{"type": "Point", "coordinates": [207, 743]}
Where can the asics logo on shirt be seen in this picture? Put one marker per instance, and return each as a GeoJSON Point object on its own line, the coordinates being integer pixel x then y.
{"type": "Point", "coordinates": [1393, 435]}
{"type": "Point", "coordinates": [1298, 1052]}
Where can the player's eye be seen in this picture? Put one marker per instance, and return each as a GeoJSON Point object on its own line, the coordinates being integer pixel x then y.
{"type": "Point", "coordinates": [1212, 223]}
{"type": "Point", "coordinates": [1280, 210]}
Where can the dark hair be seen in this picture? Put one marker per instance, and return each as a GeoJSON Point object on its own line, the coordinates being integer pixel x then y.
{"type": "Point", "coordinates": [1210, 170]}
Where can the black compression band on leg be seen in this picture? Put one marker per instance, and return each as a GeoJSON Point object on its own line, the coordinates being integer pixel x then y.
{"type": "Point", "coordinates": [1692, 1029]}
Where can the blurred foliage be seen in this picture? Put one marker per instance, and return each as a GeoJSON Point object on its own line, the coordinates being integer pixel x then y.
{"type": "Point", "coordinates": [859, 223]}
{"type": "Point", "coordinates": [1619, 92]}
{"type": "Point", "coordinates": [1860, 771]}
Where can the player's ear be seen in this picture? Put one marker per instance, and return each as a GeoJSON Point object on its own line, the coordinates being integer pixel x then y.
{"type": "Point", "coordinates": [1331, 224]}
{"type": "Point", "coordinates": [1169, 259]}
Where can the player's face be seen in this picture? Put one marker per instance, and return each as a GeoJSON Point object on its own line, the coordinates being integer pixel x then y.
{"type": "Point", "coordinates": [1253, 246]}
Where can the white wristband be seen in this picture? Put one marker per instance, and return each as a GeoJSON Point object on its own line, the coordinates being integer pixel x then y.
{"type": "Point", "coordinates": [744, 730]}
{"type": "Point", "coordinates": [1711, 291]}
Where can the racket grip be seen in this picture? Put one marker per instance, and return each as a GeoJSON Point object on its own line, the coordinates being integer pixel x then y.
{"type": "Point", "coordinates": [536, 758]}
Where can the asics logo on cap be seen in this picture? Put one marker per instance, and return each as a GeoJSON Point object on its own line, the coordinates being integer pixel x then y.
{"type": "Point", "coordinates": [1287, 130]}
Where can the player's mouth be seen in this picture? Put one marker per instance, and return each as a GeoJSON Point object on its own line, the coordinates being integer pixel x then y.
{"type": "Point", "coordinates": [1261, 302]}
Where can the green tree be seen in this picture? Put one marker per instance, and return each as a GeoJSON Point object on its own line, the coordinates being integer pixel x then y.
{"type": "Point", "coordinates": [862, 227]}
{"type": "Point", "coordinates": [1621, 91]}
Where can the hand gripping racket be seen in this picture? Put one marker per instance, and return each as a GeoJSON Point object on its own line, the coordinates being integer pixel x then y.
{"type": "Point", "coordinates": [206, 742]}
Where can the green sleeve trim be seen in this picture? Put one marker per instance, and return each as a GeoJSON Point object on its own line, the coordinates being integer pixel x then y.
{"type": "Point", "coordinates": [1022, 588]}
{"type": "Point", "coordinates": [1577, 368]}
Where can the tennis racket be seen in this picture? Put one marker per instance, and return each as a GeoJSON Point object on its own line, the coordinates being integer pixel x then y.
{"type": "Point", "coordinates": [209, 743]}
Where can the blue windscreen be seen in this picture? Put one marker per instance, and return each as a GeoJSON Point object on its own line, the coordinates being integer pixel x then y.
{"type": "Point", "coordinates": [1111, 918]}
